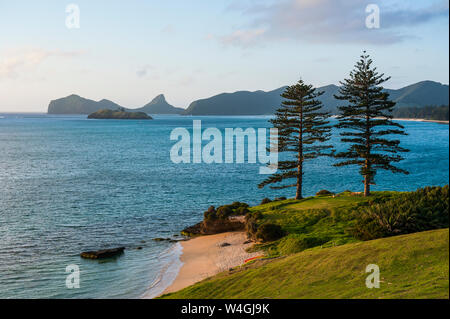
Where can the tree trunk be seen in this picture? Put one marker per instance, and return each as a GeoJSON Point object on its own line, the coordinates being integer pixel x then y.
{"type": "Point", "coordinates": [300, 159]}
{"type": "Point", "coordinates": [299, 182]}
{"type": "Point", "coordinates": [367, 178]}
{"type": "Point", "coordinates": [366, 186]}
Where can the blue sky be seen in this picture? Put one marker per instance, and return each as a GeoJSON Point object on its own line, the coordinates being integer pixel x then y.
{"type": "Point", "coordinates": [131, 51]}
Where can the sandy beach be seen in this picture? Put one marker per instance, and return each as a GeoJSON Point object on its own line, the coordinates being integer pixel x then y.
{"type": "Point", "coordinates": [204, 257]}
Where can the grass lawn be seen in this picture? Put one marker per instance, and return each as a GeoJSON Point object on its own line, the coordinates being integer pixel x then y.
{"type": "Point", "coordinates": [324, 221]}
{"type": "Point", "coordinates": [411, 266]}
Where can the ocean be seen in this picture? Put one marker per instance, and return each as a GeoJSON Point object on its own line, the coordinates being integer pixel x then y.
{"type": "Point", "coordinates": [68, 184]}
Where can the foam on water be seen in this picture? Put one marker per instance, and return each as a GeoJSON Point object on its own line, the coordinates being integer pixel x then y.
{"type": "Point", "coordinates": [169, 272]}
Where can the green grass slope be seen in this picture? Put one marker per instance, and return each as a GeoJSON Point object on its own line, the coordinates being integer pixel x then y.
{"type": "Point", "coordinates": [315, 221]}
{"type": "Point", "coordinates": [411, 266]}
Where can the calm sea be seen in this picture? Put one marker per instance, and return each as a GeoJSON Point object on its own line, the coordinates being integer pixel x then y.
{"type": "Point", "coordinates": [68, 184]}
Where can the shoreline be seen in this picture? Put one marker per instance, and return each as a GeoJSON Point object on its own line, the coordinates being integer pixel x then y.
{"type": "Point", "coordinates": [421, 120]}
{"type": "Point", "coordinates": [412, 120]}
{"type": "Point", "coordinates": [206, 256]}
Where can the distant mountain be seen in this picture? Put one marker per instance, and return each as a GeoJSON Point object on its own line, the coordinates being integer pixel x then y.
{"type": "Point", "coordinates": [420, 94]}
{"type": "Point", "coordinates": [238, 103]}
{"type": "Point", "coordinates": [259, 102]}
{"type": "Point", "coordinates": [74, 104]}
{"type": "Point", "coordinates": [159, 105]}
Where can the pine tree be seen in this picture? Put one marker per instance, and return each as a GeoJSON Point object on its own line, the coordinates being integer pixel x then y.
{"type": "Point", "coordinates": [302, 127]}
{"type": "Point", "coordinates": [367, 121]}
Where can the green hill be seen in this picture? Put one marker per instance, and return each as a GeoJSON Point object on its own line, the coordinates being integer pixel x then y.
{"type": "Point", "coordinates": [411, 266]}
{"type": "Point", "coordinates": [319, 252]}
{"type": "Point", "coordinates": [419, 94]}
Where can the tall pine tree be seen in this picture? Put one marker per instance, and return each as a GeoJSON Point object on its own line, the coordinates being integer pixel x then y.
{"type": "Point", "coordinates": [367, 122]}
{"type": "Point", "coordinates": [302, 128]}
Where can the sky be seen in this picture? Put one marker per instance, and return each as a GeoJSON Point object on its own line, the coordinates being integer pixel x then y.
{"type": "Point", "coordinates": [131, 51]}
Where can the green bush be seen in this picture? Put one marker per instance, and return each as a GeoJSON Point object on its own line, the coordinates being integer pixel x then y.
{"type": "Point", "coordinates": [265, 201]}
{"type": "Point", "coordinates": [237, 205]}
{"type": "Point", "coordinates": [210, 214]}
{"type": "Point", "coordinates": [296, 243]}
{"type": "Point", "coordinates": [223, 212]}
{"type": "Point", "coordinates": [251, 224]}
{"type": "Point", "coordinates": [269, 232]}
{"type": "Point", "coordinates": [323, 192]}
{"type": "Point", "coordinates": [422, 210]}
{"type": "Point", "coordinates": [241, 211]}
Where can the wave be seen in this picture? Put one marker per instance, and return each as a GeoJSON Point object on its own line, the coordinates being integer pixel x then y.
{"type": "Point", "coordinates": [168, 273]}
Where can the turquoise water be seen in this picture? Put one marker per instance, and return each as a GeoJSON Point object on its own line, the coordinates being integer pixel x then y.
{"type": "Point", "coordinates": [68, 184]}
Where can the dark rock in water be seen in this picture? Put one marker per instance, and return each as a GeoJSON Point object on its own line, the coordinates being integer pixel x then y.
{"type": "Point", "coordinates": [100, 254]}
{"type": "Point", "coordinates": [224, 245]}
{"type": "Point", "coordinates": [162, 239]}
{"type": "Point", "coordinates": [139, 248]}
{"type": "Point", "coordinates": [143, 241]}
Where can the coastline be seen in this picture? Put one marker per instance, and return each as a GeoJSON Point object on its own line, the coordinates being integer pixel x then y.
{"type": "Point", "coordinates": [421, 120]}
{"type": "Point", "coordinates": [412, 120]}
{"type": "Point", "coordinates": [206, 256]}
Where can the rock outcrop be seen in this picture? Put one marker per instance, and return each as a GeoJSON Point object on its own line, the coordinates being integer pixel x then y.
{"type": "Point", "coordinates": [101, 254]}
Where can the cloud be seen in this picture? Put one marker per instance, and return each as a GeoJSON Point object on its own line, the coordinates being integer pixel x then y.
{"type": "Point", "coordinates": [18, 61]}
{"type": "Point", "coordinates": [328, 21]}
{"type": "Point", "coordinates": [243, 38]}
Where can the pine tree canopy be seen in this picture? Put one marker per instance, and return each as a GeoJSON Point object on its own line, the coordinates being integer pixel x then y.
{"type": "Point", "coordinates": [366, 123]}
{"type": "Point", "coordinates": [302, 130]}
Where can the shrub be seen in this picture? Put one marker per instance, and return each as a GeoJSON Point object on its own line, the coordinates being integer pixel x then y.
{"type": "Point", "coordinates": [210, 215]}
{"type": "Point", "coordinates": [424, 209]}
{"type": "Point", "coordinates": [269, 232]}
{"type": "Point", "coordinates": [241, 211]}
{"type": "Point", "coordinates": [237, 205]}
{"type": "Point", "coordinates": [223, 212]}
{"type": "Point", "coordinates": [251, 225]}
{"type": "Point", "coordinates": [265, 201]}
{"type": "Point", "coordinates": [323, 192]}
{"type": "Point", "coordinates": [296, 243]}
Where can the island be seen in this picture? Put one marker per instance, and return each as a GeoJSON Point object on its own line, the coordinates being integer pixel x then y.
{"type": "Point", "coordinates": [120, 114]}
